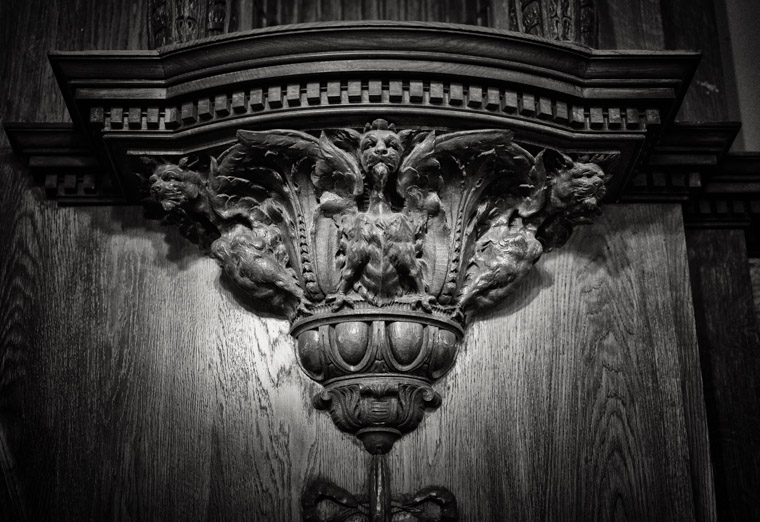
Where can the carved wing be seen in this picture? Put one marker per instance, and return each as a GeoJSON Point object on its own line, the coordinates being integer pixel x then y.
{"type": "Point", "coordinates": [418, 183]}
{"type": "Point", "coordinates": [335, 174]}
{"type": "Point", "coordinates": [473, 166]}
{"type": "Point", "coordinates": [516, 226]}
{"type": "Point", "coordinates": [285, 163]}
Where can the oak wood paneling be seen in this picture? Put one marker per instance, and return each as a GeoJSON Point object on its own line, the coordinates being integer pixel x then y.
{"type": "Point", "coordinates": [29, 29]}
{"type": "Point", "coordinates": [16, 291]}
{"type": "Point", "coordinates": [149, 392]}
{"type": "Point", "coordinates": [754, 272]}
{"type": "Point", "coordinates": [280, 12]}
{"type": "Point", "coordinates": [630, 25]}
{"type": "Point", "coordinates": [729, 345]}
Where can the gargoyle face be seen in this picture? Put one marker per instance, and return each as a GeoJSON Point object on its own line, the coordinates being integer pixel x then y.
{"type": "Point", "coordinates": [173, 186]}
{"type": "Point", "coordinates": [380, 147]}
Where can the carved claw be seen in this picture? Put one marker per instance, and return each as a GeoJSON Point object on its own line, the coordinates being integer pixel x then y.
{"type": "Point", "coordinates": [425, 302]}
{"type": "Point", "coordinates": [338, 301]}
{"type": "Point", "coordinates": [304, 309]}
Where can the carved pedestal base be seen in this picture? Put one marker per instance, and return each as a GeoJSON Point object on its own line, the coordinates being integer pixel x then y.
{"type": "Point", "coordinates": [377, 365]}
{"type": "Point", "coordinates": [378, 409]}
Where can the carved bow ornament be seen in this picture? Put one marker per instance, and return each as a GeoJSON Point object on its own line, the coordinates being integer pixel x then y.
{"type": "Point", "coordinates": [378, 246]}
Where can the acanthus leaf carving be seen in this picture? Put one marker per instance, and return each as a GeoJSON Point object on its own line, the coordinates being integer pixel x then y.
{"type": "Point", "coordinates": [380, 217]}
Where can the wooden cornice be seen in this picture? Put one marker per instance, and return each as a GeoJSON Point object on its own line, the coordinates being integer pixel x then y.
{"type": "Point", "coordinates": [193, 97]}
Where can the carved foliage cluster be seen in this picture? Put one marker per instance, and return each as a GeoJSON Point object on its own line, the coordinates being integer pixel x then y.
{"type": "Point", "coordinates": [437, 222]}
{"type": "Point", "coordinates": [178, 21]}
{"type": "Point", "coordinates": [565, 20]}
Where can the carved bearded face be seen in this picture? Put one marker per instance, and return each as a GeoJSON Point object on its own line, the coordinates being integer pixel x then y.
{"type": "Point", "coordinates": [380, 147]}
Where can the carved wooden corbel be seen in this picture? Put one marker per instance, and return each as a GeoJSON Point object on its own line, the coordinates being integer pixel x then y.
{"type": "Point", "coordinates": [378, 246]}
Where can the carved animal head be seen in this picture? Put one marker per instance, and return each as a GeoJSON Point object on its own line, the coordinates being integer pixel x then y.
{"type": "Point", "coordinates": [174, 186]}
{"type": "Point", "coordinates": [380, 145]}
{"type": "Point", "coordinates": [580, 185]}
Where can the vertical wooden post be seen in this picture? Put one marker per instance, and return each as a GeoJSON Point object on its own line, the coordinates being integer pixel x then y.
{"type": "Point", "coordinates": [729, 348]}
{"type": "Point", "coordinates": [379, 490]}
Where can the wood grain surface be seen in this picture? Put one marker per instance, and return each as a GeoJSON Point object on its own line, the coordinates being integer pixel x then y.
{"type": "Point", "coordinates": [630, 25]}
{"type": "Point", "coordinates": [134, 386]}
{"type": "Point", "coordinates": [754, 273]}
{"type": "Point", "coordinates": [710, 93]}
{"type": "Point", "coordinates": [247, 15]}
{"type": "Point", "coordinates": [728, 335]}
{"type": "Point", "coordinates": [29, 29]}
{"type": "Point", "coordinates": [575, 394]}
{"type": "Point", "coordinates": [145, 390]}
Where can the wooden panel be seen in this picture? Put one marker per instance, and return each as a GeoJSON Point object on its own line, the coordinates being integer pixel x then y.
{"type": "Point", "coordinates": [569, 403]}
{"type": "Point", "coordinates": [728, 341]}
{"type": "Point", "coordinates": [754, 271]}
{"type": "Point", "coordinates": [281, 12]}
{"type": "Point", "coordinates": [133, 384]}
{"type": "Point", "coordinates": [651, 24]}
{"type": "Point", "coordinates": [17, 288]}
{"type": "Point", "coordinates": [706, 98]}
{"type": "Point", "coordinates": [630, 25]}
{"type": "Point", "coordinates": [29, 29]}
{"type": "Point", "coordinates": [148, 391]}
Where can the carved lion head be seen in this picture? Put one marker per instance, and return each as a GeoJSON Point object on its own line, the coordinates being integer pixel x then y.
{"type": "Point", "coordinates": [580, 185]}
{"type": "Point", "coordinates": [174, 186]}
{"type": "Point", "coordinates": [380, 145]}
